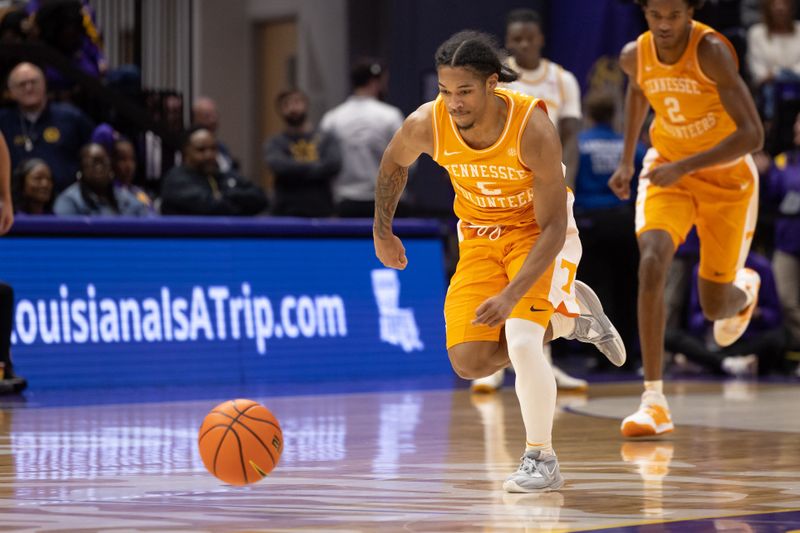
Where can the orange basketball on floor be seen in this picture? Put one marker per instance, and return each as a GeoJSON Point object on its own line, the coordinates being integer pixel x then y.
{"type": "Point", "coordinates": [240, 442]}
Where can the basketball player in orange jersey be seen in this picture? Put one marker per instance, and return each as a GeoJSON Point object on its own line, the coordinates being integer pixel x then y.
{"type": "Point", "coordinates": [559, 89]}
{"type": "Point", "coordinates": [698, 172]}
{"type": "Point", "coordinates": [519, 247]}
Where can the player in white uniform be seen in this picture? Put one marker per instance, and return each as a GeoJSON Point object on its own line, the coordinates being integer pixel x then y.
{"type": "Point", "coordinates": [559, 89]}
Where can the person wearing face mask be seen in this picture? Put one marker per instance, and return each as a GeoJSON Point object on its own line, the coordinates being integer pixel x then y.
{"type": "Point", "coordinates": [94, 192]}
{"type": "Point", "coordinates": [303, 160]}
{"type": "Point", "coordinates": [198, 187]}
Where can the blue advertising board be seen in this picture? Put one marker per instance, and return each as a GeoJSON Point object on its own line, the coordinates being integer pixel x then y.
{"type": "Point", "coordinates": [129, 311]}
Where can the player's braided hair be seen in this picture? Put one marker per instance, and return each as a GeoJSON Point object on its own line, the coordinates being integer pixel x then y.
{"type": "Point", "coordinates": [695, 4]}
{"type": "Point", "coordinates": [476, 51]}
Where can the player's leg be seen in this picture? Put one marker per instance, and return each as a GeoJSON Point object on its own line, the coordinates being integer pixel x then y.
{"type": "Point", "coordinates": [479, 359]}
{"type": "Point", "coordinates": [725, 225]}
{"type": "Point", "coordinates": [593, 326]}
{"type": "Point", "coordinates": [656, 248]}
{"type": "Point", "coordinates": [664, 216]}
{"type": "Point", "coordinates": [475, 351]}
{"type": "Point", "coordinates": [536, 390]}
{"type": "Point", "coordinates": [583, 318]}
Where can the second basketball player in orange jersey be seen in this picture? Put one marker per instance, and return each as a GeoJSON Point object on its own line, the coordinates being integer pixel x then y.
{"type": "Point", "coordinates": [698, 172]}
{"type": "Point", "coordinates": [514, 287]}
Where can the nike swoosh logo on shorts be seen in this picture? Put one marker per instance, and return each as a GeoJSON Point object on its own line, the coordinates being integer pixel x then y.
{"type": "Point", "coordinates": [533, 308]}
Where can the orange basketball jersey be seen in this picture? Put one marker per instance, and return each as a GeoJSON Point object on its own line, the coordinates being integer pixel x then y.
{"type": "Point", "coordinates": [493, 187]}
{"type": "Point", "coordinates": [689, 114]}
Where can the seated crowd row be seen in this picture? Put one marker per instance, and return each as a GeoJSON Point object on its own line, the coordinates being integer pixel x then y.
{"type": "Point", "coordinates": [64, 165]}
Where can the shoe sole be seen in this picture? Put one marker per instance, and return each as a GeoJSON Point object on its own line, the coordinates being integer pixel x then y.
{"type": "Point", "coordinates": [596, 310]}
{"type": "Point", "coordinates": [483, 389]}
{"type": "Point", "coordinates": [582, 388]}
{"type": "Point", "coordinates": [512, 487]}
{"type": "Point", "coordinates": [633, 429]}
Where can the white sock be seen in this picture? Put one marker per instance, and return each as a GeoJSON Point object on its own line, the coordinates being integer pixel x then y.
{"type": "Point", "coordinates": [740, 282]}
{"type": "Point", "coordinates": [654, 386]}
{"type": "Point", "coordinates": [561, 325]}
{"type": "Point", "coordinates": [535, 384]}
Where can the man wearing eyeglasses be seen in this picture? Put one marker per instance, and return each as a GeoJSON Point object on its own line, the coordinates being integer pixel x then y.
{"type": "Point", "coordinates": [52, 131]}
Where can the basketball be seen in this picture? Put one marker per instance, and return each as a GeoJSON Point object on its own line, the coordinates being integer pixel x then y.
{"type": "Point", "coordinates": [240, 442]}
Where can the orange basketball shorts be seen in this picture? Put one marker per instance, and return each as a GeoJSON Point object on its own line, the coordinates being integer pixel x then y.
{"type": "Point", "coordinates": [722, 201]}
{"type": "Point", "coordinates": [489, 257]}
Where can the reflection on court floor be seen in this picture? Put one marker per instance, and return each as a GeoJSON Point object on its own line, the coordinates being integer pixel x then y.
{"type": "Point", "coordinates": [416, 461]}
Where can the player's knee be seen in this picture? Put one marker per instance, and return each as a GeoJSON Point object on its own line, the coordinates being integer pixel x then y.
{"type": "Point", "coordinates": [652, 268]}
{"type": "Point", "coordinates": [469, 366]}
{"type": "Point", "coordinates": [474, 371]}
{"type": "Point", "coordinates": [519, 344]}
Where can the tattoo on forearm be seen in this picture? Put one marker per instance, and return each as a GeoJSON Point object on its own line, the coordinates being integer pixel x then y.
{"type": "Point", "coordinates": [387, 193]}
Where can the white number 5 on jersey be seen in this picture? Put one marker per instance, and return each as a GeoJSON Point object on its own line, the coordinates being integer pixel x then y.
{"type": "Point", "coordinates": [484, 188]}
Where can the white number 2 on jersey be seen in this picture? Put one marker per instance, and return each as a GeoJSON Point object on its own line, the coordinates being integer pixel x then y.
{"type": "Point", "coordinates": [674, 109]}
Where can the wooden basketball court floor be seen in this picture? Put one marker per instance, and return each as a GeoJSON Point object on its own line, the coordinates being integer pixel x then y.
{"type": "Point", "coordinates": [415, 460]}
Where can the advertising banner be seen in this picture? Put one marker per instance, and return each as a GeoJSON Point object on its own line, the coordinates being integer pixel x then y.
{"type": "Point", "coordinates": [102, 311]}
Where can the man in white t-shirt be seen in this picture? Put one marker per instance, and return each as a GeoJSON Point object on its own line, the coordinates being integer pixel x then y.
{"type": "Point", "coordinates": [560, 91]}
{"type": "Point", "coordinates": [364, 126]}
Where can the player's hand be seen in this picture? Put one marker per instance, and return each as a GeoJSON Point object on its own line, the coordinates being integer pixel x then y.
{"type": "Point", "coordinates": [620, 181]}
{"type": "Point", "coordinates": [390, 252]}
{"type": "Point", "coordinates": [6, 216]}
{"type": "Point", "coordinates": [494, 311]}
{"type": "Point", "coordinates": [665, 175]}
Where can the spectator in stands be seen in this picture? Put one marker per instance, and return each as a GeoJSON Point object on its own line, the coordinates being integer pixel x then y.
{"type": "Point", "coordinates": [364, 126]}
{"type": "Point", "coordinates": [69, 27]}
{"type": "Point", "coordinates": [51, 131]}
{"type": "Point", "coordinates": [609, 248]}
{"type": "Point", "coordinates": [197, 187]}
{"type": "Point", "coordinates": [781, 186]}
{"type": "Point", "coordinates": [773, 49]}
{"type": "Point", "coordinates": [773, 45]}
{"type": "Point", "coordinates": [761, 348]}
{"type": "Point", "coordinates": [11, 32]}
{"type": "Point", "coordinates": [32, 188]}
{"type": "Point", "coordinates": [12, 29]}
{"type": "Point", "coordinates": [303, 160]}
{"type": "Point", "coordinates": [600, 148]}
{"type": "Point", "coordinates": [123, 163]}
{"type": "Point", "coordinates": [204, 113]}
{"type": "Point", "coordinates": [94, 193]}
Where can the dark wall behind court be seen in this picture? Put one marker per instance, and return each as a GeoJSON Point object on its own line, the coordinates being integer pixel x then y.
{"type": "Point", "coordinates": [406, 33]}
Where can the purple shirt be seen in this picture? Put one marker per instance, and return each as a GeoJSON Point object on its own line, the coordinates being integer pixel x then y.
{"type": "Point", "coordinates": [782, 186]}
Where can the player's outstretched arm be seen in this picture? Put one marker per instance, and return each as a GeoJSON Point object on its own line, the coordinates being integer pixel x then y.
{"type": "Point", "coordinates": [413, 138]}
{"type": "Point", "coordinates": [541, 152]}
{"type": "Point", "coordinates": [717, 62]}
{"type": "Point", "coordinates": [6, 207]}
{"type": "Point", "coordinates": [636, 108]}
